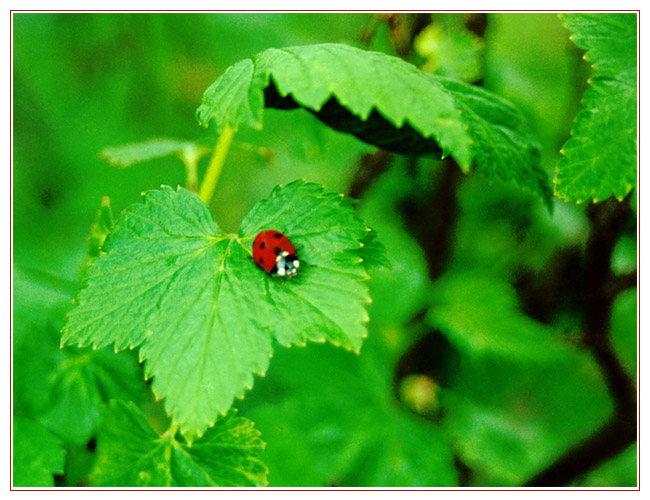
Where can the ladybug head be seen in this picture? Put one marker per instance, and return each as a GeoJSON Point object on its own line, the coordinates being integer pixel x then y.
{"type": "Point", "coordinates": [287, 265]}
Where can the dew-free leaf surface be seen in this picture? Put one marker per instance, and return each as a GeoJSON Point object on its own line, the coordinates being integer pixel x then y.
{"type": "Point", "coordinates": [131, 453]}
{"type": "Point", "coordinates": [386, 102]}
{"type": "Point", "coordinates": [480, 315]}
{"type": "Point", "coordinates": [331, 419]}
{"type": "Point", "coordinates": [450, 50]}
{"type": "Point", "coordinates": [130, 154]}
{"type": "Point", "coordinates": [62, 389]}
{"type": "Point", "coordinates": [600, 157]}
{"type": "Point", "coordinates": [203, 314]}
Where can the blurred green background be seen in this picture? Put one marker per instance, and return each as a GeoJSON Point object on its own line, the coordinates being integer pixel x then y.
{"type": "Point", "coordinates": [421, 405]}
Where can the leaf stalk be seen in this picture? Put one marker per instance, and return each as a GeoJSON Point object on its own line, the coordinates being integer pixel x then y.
{"type": "Point", "coordinates": [216, 164]}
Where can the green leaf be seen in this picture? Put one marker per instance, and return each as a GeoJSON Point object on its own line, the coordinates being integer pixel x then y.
{"type": "Point", "coordinates": [100, 228]}
{"type": "Point", "coordinates": [37, 454]}
{"type": "Point", "coordinates": [522, 416]}
{"type": "Point", "coordinates": [624, 329]}
{"type": "Point", "coordinates": [479, 314]}
{"type": "Point", "coordinates": [373, 253]}
{"type": "Point", "coordinates": [397, 296]}
{"type": "Point", "coordinates": [450, 51]}
{"type": "Point", "coordinates": [337, 423]}
{"type": "Point", "coordinates": [624, 255]}
{"type": "Point", "coordinates": [344, 85]}
{"type": "Point", "coordinates": [503, 146]}
{"type": "Point", "coordinates": [600, 158]}
{"type": "Point", "coordinates": [619, 472]}
{"type": "Point", "coordinates": [131, 453]}
{"type": "Point", "coordinates": [234, 98]}
{"type": "Point", "coordinates": [386, 102]}
{"type": "Point", "coordinates": [63, 389]}
{"type": "Point", "coordinates": [80, 384]}
{"type": "Point", "coordinates": [204, 313]}
{"type": "Point", "coordinates": [130, 154]}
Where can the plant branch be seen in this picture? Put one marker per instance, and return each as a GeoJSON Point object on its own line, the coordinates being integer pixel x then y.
{"type": "Point", "coordinates": [371, 166]}
{"type": "Point", "coordinates": [606, 221]}
{"type": "Point", "coordinates": [434, 224]}
{"type": "Point", "coordinates": [216, 164]}
{"type": "Point", "coordinates": [621, 282]}
{"type": "Point", "coordinates": [613, 438]}
{"type": "Point", "coordinates": [191, 173]}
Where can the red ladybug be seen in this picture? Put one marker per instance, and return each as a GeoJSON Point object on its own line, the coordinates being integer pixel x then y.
{"type": "Point", "coordinates": [273, 252]}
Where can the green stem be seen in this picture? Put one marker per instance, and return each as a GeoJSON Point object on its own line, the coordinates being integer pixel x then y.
{"type": "Point", "coordinates": [171, 431]}
{"type": "Point", "coordinates": [191, 177]}
{"type": "Point", "coordinates": [216, 164]}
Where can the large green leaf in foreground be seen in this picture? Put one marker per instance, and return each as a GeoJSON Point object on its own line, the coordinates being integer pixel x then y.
{"type": "Point", "coordinates": [386, 102]}
{"type": "Point", "coordinates": [203, 313]}
{"type": "Point", "coordinates": [131, 453]}
{"type": "Point", "coordinates": [600, 158]}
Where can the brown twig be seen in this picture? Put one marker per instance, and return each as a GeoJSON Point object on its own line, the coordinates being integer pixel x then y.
{"type": "Point", "coordinates": [621, 282]}
{"type": "Point", "coordinates": [371, 166]}
{"type": "Point", "coordinates": [434, 223]}
{"type": "Point", "coordinates": [403, 30]}
{"type": "Point", "coordinates": [606, 220]}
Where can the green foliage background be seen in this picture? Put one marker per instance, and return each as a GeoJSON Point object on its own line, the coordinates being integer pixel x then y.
{"type": "Point", "coordinates": [469, 376]}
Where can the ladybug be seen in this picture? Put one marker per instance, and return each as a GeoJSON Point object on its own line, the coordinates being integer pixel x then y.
{"type": "Point", "coordinates": [274, 253]}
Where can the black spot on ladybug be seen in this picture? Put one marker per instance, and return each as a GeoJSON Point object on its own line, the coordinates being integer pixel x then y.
{"type": "Point", "coordinates": [273, 252]}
